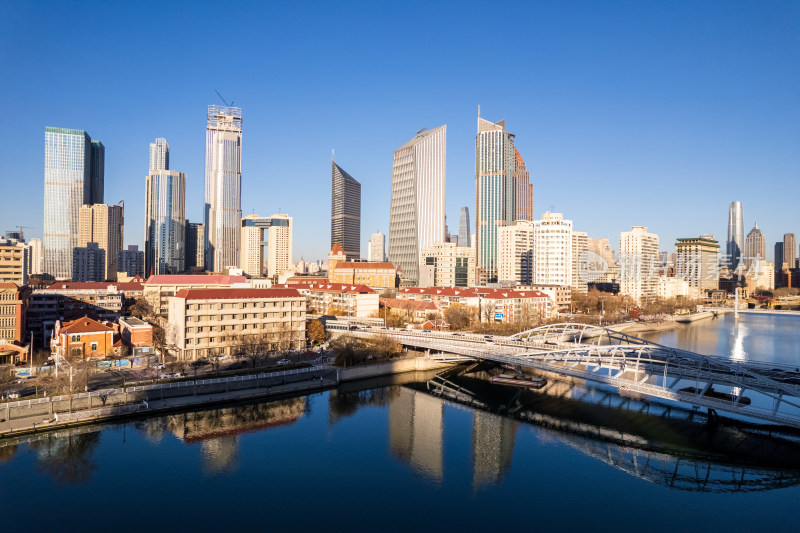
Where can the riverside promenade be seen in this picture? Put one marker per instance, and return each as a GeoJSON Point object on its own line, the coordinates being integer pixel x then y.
{"type": "Point", "coordinates": [49, 413]}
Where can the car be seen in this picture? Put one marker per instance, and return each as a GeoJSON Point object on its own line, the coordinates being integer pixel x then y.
{"type": "Point", "coordinates": [284, 362]}
{"type": "Point", "coordinates": [12, 395]}
{"type": "Point", "coordinates": [168, 375]}
{"type": "Point", "coordinates": [160, 366]}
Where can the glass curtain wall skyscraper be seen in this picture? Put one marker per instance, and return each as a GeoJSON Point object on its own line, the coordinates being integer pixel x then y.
{"type": "Point", "coordinates": [523, 190]}
{"type": "Point", "coordinates": [417, 215]}
{"type": "Point", "coordinates": [463, 228]}
{"type": "Point", "coordinates": [495, 171]}
{"type": "Point", "coordinates": [165, 230]}
{"type": "Point", "coordinates": [73, 176]}
{"type": "Point", "coordinates": [735, 245]}
{"type": "Point", "coordinates": [223, 198]}
{"type": "Point", "coordinates": [345, 212]}
{"type": "Point", "coordinates": [755, 247]}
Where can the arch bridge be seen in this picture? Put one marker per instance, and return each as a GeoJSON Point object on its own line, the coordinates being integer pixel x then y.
{"type": "Point", "coordinates": [635, 366]}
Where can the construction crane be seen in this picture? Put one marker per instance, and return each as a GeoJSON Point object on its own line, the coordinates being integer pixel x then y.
{"type": "Point", "coordinates": [20, 233]}
{"type": "Point", "coordinates": [223, 100]}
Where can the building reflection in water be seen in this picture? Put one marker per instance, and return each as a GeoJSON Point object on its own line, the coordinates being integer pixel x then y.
{"type": "Point", "coordinates": [492, 447]}
{"type": "Point", "coordinates": [416, 430]}
{"type": "Point", "coordinates": [217, 430]}
{"type": "Point", "coordinates": [67, 459]}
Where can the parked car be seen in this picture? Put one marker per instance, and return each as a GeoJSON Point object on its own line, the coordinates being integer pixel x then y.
{"type": "Point", "coordinates": [168, 375]}
{"type": "Point", "coordinates": [160, 366]}
{"type": "Point", "coordinates": [284, 362]}
{"type": "Point", "coordinates": [12, 395]}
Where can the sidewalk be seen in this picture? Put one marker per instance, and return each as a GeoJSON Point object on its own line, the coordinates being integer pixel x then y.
{"type": "Point", "coordinates": [38, 423]}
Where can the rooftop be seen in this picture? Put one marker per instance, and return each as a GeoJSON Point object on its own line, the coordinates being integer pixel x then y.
{"type": "Point", "coordinates": [237, 294]}
{"type": "Point", "coordinates": [84, 325]}
{"type": "Point", "coordinates": [188, 279]}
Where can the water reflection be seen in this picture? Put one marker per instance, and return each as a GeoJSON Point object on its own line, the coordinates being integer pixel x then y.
{"type": "Point", "coordinates": [492, 447]}
{"type": "Point", "coordinates": [67, 459]}
{"type": "Point", "coordinates": [415, 431]}
{"type": "Point", "coordinates": [739, 333]}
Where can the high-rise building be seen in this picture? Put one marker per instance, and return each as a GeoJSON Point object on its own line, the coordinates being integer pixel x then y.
{"type": "Point", "coordinates": [345, 212]}
{"type": "Point", "coordinates": [604, 268]}
{"type": "Point", "coordinates": [790, 250]}
{"type": "Point", "coordinates": [279, 244]}
{"type": "Point", "coordinates": [223, 199]}
{"type": "Point", "coordinates": [495, 171]}
{"type": "Point", "coordinates": [755, 247]}
{"type": "Point", "coordinates": [523, 201]}
{"type": "Point", "coordinates": [417, 215]}
{"type": "Point", "coordinates": [639, 261]}
{"type": "Point", "coordinates": [697, 261]}
{"type": "Point", "coordinates": [159, 155]}
{"type": "Point", "coordinates": [778, 256]}
{"type": "Point", "coordinates": [515, 253]}
{"type": "Point", "coordinates": [463, 228]}
{"type": "Point", "coordinates": [104, 225]}
{"type": "Point", "coordinates": [195, 243]}
{"type": "Point", "coordinates": [37, 256]}
{"type": "Point", "coordinates": [552, 250]}
{"type": "Point", "coordinates": [735, 243]}
{"type": "Point", "coordinates": [165, 231]}
{"type": "Point", "coordinates": [580, 261]}
{"type": "Point", "coordinates": [251, 255]}
{"type": "Point", "coordinates": [130, 262]}
{"type": "Point", "coordinates": [73, 176]}
{"type": "Point", "coordinates": [377, 247]}
{"type": "Point", "coordinates": [89, 263]}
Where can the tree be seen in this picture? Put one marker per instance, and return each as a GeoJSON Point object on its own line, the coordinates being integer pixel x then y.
{"type": "Point", "coordinates": [459, 316]}
{"type": "Point", "coordinates": [315, 332]}
{"type": "Point", "coordinates": [141, 308]}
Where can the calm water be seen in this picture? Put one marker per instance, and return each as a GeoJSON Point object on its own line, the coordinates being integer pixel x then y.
{"type": "Point", "coordinates": [393, 457]}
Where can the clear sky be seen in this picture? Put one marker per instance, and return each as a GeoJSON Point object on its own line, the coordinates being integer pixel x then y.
{"type": "Point", "coordinates": [647, 113]}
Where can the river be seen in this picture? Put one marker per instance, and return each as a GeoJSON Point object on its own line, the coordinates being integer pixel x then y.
{"type": "Point", "coordinates": [387, 455]}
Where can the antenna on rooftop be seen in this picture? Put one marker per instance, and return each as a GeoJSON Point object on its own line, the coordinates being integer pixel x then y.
{"type": "Point", "coordinates": [223, 100]}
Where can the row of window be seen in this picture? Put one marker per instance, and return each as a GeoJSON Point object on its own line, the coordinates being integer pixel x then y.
{"type": "Point", "coordinates": [244, 316]}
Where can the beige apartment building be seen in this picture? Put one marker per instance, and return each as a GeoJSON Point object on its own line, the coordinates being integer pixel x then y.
{"type": "Point", "coordinates": [15, 261]}
{"type": "Point", "coordinates": [160, 288]}
{"type": "Point", "coordinates": [208, 322]}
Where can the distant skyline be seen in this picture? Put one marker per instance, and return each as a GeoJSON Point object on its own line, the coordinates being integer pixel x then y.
{"type": "Point", "coordinates": [627, 113]}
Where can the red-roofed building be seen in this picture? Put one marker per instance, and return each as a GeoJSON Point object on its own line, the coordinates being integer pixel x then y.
{"type": "Point", "coordinates": [207, 322]}
{"type": "Point", "coordinates": [84, 338]}
{"type": "Point", "coordinates": [160, 288]}
{"type": "Point", "coordinates": [343, 299]}
{"type": "Point", "coordinates": [411, 310]}
{"type": "Point", "coordinates": [376, 275]}
{"type": "Point", "coordinates": [501, 305]}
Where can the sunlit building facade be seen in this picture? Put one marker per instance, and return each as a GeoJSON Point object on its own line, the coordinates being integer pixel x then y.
{"type": "Point", "coordinates": [345, 212]}
{"type": "Point", "coordinates": [165, 231]}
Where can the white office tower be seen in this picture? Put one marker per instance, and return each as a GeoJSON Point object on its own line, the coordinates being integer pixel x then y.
{"type": "Point", "coordinates": [37, 256]}
{"type": "Point", "coordinates": [515, 253]}
{"type": "Point", "coordinates": [251, 256]}
{"type": "Point", "coordinates": [279, 244]}
{"type": "Point", "coordinates": [159, 155]}
{"type": "Point", "coordinates": [580, 262]}
{"type": "Point", "coordinates": [377, 248]}
{"type": "Point", "coordinates": [639, 261]}
{"type": "Point", "coordinates": [735, 244]}
{"type": "Point", "coordinates": [223, 198]}
{"type": "Point", "coordinates": [552, 250]}
{"type": "Point", "coordinates": [418, 199]}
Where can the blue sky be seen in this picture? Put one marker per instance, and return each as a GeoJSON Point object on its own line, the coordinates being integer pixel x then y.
{"type": "Point", "coordinates": [627, 113]}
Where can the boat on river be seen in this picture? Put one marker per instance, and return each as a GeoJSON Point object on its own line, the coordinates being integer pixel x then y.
{"type": "Point", "coordinates": [532, 382]}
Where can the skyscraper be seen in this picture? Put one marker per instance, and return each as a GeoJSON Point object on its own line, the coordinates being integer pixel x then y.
{"type": "Point", "coordinates": [279, 244]}
{"type": "Point", "coordinates": [523, 190]}
{"type": "Point", "coordinates": [73, 176]}
{"type": "Point", "coordinates": [88, 263]}
{"type": "Point", "coordinates": [37, 256]}
{"type": "Point", "coordinates": [735, 245]}
{"type": "Point", "coordinates": [377, 248]}
{"type": "Point", "coordinates": [515, 245]}
{"type": "Point", "coordinates": [164, 231]}
{"type": "Point", "coordinates": [495, 171]}
{"type": "Point", "coordinates": [223, 200]}
{"type": "Point", "coordinates": [417, 214]}
{"type": "Point", "coordinates": [552, 250]}
{"type": "Point", "coordinates": [130, 262]}
{"type": "Point", "coordinates": [159, 155]}
{"type": "Point", "coordinates": [104, 225]}
{"type": "Point", "coordinates": [195, 242]}
{"type": "Point", "coordinates": [463, 228]}
{"type": "Point", "coordinates": [790, 250]}
{"type": "Point", "coordinates": [755, 247]}
{"type": "Point", "coordinates": [345, 212]}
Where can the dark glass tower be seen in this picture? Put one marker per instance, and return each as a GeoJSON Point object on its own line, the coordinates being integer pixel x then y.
{"type": "Point", "coordinates": [345, 212]}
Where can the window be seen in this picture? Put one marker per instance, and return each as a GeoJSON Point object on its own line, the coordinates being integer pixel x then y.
{"type": "Point", "coordinates": [94, 346]}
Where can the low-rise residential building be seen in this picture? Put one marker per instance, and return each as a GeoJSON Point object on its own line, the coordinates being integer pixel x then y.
{"type": "Point", "coordinates": [374, 275]}
{"type": "Point", "coordinates": [69, 300]}
{"type": "Point", "coordinates": [13, 303]}
{"type": "Point", "coordinates": [84, 338]}
{"type": "Point", "coordinates": [410, 310]}
{"type": "Point", "coordinates": [159, 289]}
{"type": "Point", "coordinates": [356, 301]}
{"type": "Point", "coordinates": [208, 322]}
{"type": "Point", "coordinates": [673, 287]}
{"type": "Point", "coordinates": [560, 294]}
{"type": "Point", "coordinates": [442, 297]}
{"type": "Point", "coordinates": [502, 305]}
{"type": "Point", "coordinates": [135, 332]}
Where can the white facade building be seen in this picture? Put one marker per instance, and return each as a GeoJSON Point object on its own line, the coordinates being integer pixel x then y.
{"type": "Point", "coordinates": [445, 264]}
{"type": "Point", "coordinates": [251, 255]}
{"type": "Point", "coordinates": [673, 287]}
{"type": "Point", "coordinates": [376, 249]}
{"type": "Point", "coordinates": [223, 198]}
{"type": "Point", "coordinates": [580, 261]}
{"type": "Point", "coordinates": [417, 216]}
{"type": "Point", "coordinates": [279, 244]}
{"type": "Point", "coordinates": [515, 253]}
{"type": "Point", "coordinates": [552, 250]}
{"type": "Point", "coordinates": [37, 256]}
{"type": "Point", "coordinates": [159, 155]}
{"type": "Point", "coordinates": [639, 260]}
